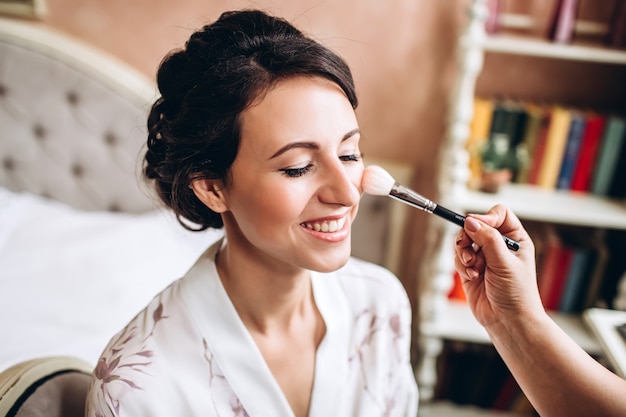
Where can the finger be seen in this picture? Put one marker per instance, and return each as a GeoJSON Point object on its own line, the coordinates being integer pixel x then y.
{"type": "Point", "coordinates": [501, 218]}
{"type": "Point", "coordinates": [462, 239]}
{"type": "Point", "coordinates": [486, 237]}
{"type": "Point", "coordinates": [466, 273]}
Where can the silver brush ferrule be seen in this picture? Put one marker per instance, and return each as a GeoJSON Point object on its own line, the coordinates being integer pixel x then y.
{"type": "Point", "coordinates": [406, 195]}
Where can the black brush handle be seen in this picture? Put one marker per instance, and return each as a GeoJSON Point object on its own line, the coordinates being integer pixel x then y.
{"type": "Point", "coordinates": [459, 220]}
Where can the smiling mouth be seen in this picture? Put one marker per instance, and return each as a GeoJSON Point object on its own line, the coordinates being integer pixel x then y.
{"type": "Point", "coordinates": [330, 226]}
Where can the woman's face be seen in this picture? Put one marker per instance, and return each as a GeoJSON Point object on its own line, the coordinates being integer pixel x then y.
{"type": "Point", "coordinates": [294, 186]}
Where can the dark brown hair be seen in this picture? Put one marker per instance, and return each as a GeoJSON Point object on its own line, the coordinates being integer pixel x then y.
{"type": "Point", "coordinates": [194, 129]}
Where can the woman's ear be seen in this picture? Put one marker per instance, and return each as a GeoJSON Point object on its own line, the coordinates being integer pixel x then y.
{"type": "Point", "coordinates": [210, 193]}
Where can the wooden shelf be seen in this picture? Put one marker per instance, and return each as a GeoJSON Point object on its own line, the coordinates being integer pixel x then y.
{"type": "Point", "coordinates": [603, 324]}
{"type": "Point", "coordinates": [552, 206]}
{"type": "Point", "coordinates": [531, 46]}
{"type": "Point", "coordinates": [456, 322]}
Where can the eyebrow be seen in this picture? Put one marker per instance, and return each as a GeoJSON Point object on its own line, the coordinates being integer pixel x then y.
{"type": "Point", "coordinates": [310, 145]}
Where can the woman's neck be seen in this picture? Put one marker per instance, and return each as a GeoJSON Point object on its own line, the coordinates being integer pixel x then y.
{"type": "Point", "coordinates": [267, 298]}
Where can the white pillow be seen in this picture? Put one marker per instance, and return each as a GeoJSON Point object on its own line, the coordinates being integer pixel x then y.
{"type": "Point", "coordinates": [70, 279]}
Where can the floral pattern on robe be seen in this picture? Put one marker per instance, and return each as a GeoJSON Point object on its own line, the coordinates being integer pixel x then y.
{"type": "Point", "coordinates": [188, 353]}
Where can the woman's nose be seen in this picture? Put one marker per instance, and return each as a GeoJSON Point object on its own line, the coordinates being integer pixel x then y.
{"type": "Point", "coordinates": [341, 184]}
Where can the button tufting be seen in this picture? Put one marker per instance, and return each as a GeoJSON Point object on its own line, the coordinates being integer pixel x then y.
{"type": "Point", "coordinates": [114, 207]}
{"type": "Point", "coordinates": [72, 98]}
{"type": "Point", "coordinates": [39, 131]}
{"type": "Point", "coordinates": [110, 138]}
{"type": "Point", "coordinates": [8, 164]}
{"type": "Point", "coordinates": [78, 170]}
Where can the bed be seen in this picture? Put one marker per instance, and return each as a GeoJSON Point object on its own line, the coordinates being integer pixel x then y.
{"type": "Point", "coordinates": [83, 243]}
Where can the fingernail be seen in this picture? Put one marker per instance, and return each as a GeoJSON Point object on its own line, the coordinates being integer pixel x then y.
{"type": "Point", "coordinates": [471, 273]}
{"type": "Point", "coordinates": [459, 237]}
{"type": "Point", "coordinates": [472, 224]}
{"type": "Point", "coordinates": [467, 257]}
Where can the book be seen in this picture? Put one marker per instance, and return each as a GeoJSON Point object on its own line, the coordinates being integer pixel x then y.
{"type": "Point", "coordinates": [563, 20]}
{"type": "Point", "coordinates": [506, 395]}
{"type": "Point", "coordinates": [535, 115]}
{"type": "Point", "coordinates": [610, 148]}
{"type": "Point", "coordinates": [572, 151]}
{"type": "Point", "coordinates": [554, 147]}
{"type": "Point", "coordinates": [548, 268]}
{"type": "Point", "coordinates": [617, 188]}
{"type": "Point", "coordinates": [616, 35]}
{"type": "Point", "coordinates": [575, 281]}
{"type": "Point", "coordinates": [479, 133]}
{"type": "Point", "coordinates": [591, 140]}
{"type": "Point", "coordinates": [506, 132]}
{"type": "Point", "coordinates": [559, 280]}
{"type": "Point", "coordinates": [540, 147]}
{"type": "Point", "coordinates": [492, 23]}
{"type": "Point", "coordinates": [595, 273]}
{"type": "Point", "coordinates": [615, 270]}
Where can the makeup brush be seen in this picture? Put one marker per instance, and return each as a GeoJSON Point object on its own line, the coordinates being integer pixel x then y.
{"type": "Point", "coordinates": [377, 181]}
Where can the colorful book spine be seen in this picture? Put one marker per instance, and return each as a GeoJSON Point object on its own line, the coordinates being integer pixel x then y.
{"type": "Point", "coordinates": [540, 147]}
{"type": "Point", "coordinates": [618, 183]}
{"type": "Point", "coordinates": [563, 21]}
{"type": "Point", "coordinates": [559, 282]}
{"type": "Point", "coordinates": [575, 281]}
{"type": "Point", "coordinates": [592, 138]}
{"type": "Point", "coordinates": [548, 269]}
{"type": "Point", "coordinates": [572, 151]}
{"type": "Point", "coordinates": [554, 147]}
{"type": "Point", "coordinates": [606, 164]}
{"type": "Point", "coordinates": [479, 133]}
{"type": "Point", "coordinates": [616, 35]}
{"type": "Point", "coordinates": [534, 121]}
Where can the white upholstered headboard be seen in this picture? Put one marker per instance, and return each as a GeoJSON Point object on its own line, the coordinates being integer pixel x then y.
{"type": "Point", "coordinates": [72, 120]}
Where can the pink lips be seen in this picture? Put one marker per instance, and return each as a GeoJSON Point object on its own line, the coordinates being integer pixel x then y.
{"type": "Point", "coordinates": [329, 230]}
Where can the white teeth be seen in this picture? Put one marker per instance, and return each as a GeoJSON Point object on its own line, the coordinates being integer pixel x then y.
{"type": "Point", "coordinates": [327, 227]}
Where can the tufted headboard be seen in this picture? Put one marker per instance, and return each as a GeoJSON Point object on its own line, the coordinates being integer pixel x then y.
{"type": "Point", "coordinates": [72, 120]}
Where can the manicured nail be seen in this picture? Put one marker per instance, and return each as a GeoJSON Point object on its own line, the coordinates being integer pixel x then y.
{"type": "Point", "coordinates": [467, 257]}
{"type": "Point", "coordinates": [472, 273]}
{"type": "Point", "coordinates": [472, 224]}
{"type": "Point", "coordinates": [459, 236]}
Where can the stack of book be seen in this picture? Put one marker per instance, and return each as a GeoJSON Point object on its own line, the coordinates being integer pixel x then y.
{"type": "Point", "coordinates": [475, 375]}
{"type": "Point", "coordinates": [577, 267]}
{"type": "Point", "coordinates": [569, 21]}
{"type": "Point", "coordinates": [562, 147]}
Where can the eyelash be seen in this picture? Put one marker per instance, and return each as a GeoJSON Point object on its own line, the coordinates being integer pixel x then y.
{"type": "Point", "coordinates": [298, 172]}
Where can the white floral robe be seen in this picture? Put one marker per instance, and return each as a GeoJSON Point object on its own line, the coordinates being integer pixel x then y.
{"type": "Point", "coordinates": [189, 354]}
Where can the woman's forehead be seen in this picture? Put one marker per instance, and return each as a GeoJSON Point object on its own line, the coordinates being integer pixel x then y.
{"type": "Point", "coordinates": [297, 109]}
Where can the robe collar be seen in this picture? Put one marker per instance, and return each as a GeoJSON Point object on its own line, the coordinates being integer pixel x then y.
{"type": "Point", "coordinates": [240, 359]}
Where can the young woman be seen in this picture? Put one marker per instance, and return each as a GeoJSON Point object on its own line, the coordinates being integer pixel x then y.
{"type": "Point", "coordinates": [255, 131]}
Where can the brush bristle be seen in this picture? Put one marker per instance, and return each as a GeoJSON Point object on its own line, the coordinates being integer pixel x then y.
{"type": "Point", "coordinates": [377, 181]}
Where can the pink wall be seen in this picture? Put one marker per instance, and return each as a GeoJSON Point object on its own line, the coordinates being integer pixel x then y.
{"type": "Point", "coordinates": [401, 53]}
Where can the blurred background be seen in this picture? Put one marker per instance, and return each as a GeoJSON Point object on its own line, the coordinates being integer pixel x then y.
{"type": "Point", "coordinates": [402, 54]}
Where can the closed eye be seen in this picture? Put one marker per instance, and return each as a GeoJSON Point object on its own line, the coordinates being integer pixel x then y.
{"type": "Point", "coordinates": [351, 158]}
{"type": "Point", "coordinates": [296, 172]}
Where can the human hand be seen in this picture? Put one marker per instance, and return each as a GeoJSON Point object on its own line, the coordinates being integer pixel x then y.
{"type": "Point", "coordinates": [498, 282]}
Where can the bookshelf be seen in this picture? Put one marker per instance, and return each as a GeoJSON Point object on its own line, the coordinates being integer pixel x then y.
{"type": "Point", "coordinates": [440, 318]}
{"type": "Point", "coordinates": [524, 45]}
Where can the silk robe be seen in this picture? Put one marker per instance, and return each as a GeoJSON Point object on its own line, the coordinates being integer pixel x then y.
{"type": "Point", "coordinates": [189, 354]}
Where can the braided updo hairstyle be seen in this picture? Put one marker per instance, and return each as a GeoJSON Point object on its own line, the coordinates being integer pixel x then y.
{"type": "Point", "coordinates": [194, 127]}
